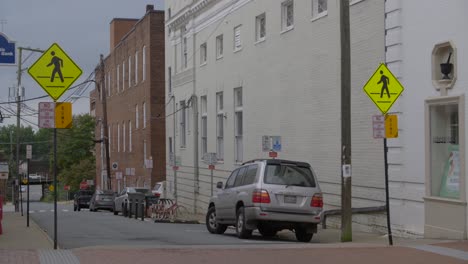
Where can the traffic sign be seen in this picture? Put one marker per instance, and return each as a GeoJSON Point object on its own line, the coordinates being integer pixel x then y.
{"type": "Point", "coordinates": [391, 126]}
{"type": "Point", "coordinates": [25, 181]}
{"type": "Point", "coordinates": [211, 167]}
{"type": "Point", "coordinates": [63, 115]}
{"type": "Point", "coordinates": [378, 126]}
{"type": "Point", "coordinates": [46, 115]}
{"type": "Point", "coordinates": [383, 88]}
{"type": "Point", "coordinates": [55, 71]}
{"type": "Point", "coordinates": [115, 165]}
{"type": "Point", "coordinates": [273, 154]}
{"type": "Point", "coordinates": [51, 187]}
{"type": "Point", "coordinates": [84, 185]}
{"type": "Point", "coordinates": [66, 187]}
{"type": "Point", "coordinates": [28, 151]}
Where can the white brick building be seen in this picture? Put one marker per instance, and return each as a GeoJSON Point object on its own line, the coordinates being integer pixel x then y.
{"type": "Point", "coordinates": [427, 197]}
{"type": "Point", "coordinates": [244, 69]}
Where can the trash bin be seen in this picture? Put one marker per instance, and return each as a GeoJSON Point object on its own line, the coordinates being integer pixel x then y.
{"type": "Point", "coordinates": [135, 200]}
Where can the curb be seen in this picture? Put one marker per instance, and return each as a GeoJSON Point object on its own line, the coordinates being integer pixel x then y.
{"type": "Point", "coordinates": [194, 222]}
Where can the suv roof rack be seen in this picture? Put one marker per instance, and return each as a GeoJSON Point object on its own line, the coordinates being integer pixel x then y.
{"type": "Point", "coordinates": [279, 161]}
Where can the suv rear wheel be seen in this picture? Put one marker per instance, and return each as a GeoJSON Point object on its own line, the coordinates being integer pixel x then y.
{"type": "Point", "coordinates": [211, 224]}
{"type": "Point", "coordinates": [266, 230]}
{"type": "Point", "coordinates": [302, 235]}
{"type": "Point", "coordinates": [241, 230]}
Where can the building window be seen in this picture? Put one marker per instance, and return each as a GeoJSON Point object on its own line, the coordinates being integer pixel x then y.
{"type": "Point", "coordinates": [445, 159]}
{"type": "Point", "coordinates": [118, 137]}
{"type": "Point", "coordinates": [124, 141]}
{"type": "Point", "coordinates": [144, 114]}
{"type": "Point", "coordinates": [238, 124]}
{"type": "Point", "coordinates": [144, 151]}
{"type": "Point", "coordinates": [109, 131]}
{"type": "Point", "coordinates": [129, 71]}
{"type": "Point", "coordinates": [168, 13]}
{"type": "Point", "coordinates": [237, 38]}
{"type": "Point", "coordinates": [143, 58]}
{"type": "Point", "coordinates": [319, 8]}
{"type": "Point", "coordinates": [136, 67]}
{"type": "Point", "coordinates": [219, 47]}
{"type": "Point", "coordinates": [118, 78]}
{"type": "Point", "coordinates": [137, 117]}
{"type": "Point", "coordinates": [287, 15]}
{"type": "Point", "coordinates": [260, 27]}
{"type": "Point", "coordinates": [204, 125]}
{"type": "Point", "coordinates": [123, 75]}
{"type": "Point", "coordinates": [203, 53]}
{"type": "Point", "coordinates": [219, 126]}
{"type": "Point", "coordinates": [108, 84]}
{"type": "Point", "coordinates": [184, 52]}
{"type": "Point", "coordinates": [129, 136]}
{"type": "Point", "coordinates": [169, 79]}
{"type": "Point", "coordinates": [182, 124]}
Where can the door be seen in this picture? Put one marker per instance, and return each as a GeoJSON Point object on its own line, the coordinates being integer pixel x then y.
{"type": "Point", "coordinates": [222, 207]}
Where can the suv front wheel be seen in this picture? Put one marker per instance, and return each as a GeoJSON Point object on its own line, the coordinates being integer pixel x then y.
{"type": "Point", "coordinates": [211, 224]}
{"type": "Point", "coordinates": [241, 229]}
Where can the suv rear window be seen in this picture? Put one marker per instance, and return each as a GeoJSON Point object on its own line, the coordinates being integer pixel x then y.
{"type": "Point", "coordinates": [285, 174]}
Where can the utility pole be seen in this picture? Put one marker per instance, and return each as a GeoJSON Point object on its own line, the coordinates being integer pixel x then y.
{"type": "Point", "coordinates": [346, 213]}
{"type": "Point", "coordinates": [104, 123]}
{"type": "Point", "coordinates": [18, 114]}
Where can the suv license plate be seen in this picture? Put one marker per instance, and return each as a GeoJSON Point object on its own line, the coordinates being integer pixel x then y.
{"type": "Point", "coordinates": [289, 199]}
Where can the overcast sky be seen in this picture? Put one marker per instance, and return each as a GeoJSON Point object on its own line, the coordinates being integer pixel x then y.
{"type": "Point", "coordinates": [80, 27]}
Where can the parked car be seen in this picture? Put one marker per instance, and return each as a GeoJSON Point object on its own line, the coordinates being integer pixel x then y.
{"type": "Point", "coordinates": [82, 199]}
{"type": "Point", "coordinates": [102, 200]}
{"type": "Point", "coordinates": [269, 195]}
{"type": "Point", "coordinates": [122, 198]}
{"type": "Point", "coordinates": [158, 189]}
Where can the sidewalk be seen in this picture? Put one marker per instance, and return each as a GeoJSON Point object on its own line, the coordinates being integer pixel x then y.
{"type": "Point", "coordinates": [20, 244]}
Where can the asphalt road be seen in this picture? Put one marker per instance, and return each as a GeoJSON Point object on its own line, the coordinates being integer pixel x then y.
{"type": "Point", "coordinates": [85, 228]}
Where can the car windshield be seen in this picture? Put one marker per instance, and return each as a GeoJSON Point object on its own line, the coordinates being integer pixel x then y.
{"type": "Point", "coordinates": [290, 175]}
{"type": "Point", "coordinates": [140, 190]}
{"type": "Point", "coordinates": [85, 193]}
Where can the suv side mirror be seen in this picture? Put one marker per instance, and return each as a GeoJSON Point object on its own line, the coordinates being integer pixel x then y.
{"type": "Point", "coordinates": [219, 185]}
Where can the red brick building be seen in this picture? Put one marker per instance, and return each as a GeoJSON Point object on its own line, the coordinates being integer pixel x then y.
{"type": "Point", "coordinates": [132, 78]}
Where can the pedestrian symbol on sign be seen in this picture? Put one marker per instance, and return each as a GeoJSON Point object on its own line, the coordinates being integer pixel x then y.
{"type": "Point", "coordinates": [57, 62]}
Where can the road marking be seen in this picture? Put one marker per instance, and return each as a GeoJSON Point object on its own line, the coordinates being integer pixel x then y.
{"type": "Point", "coordinates": [443, 251]}
{"type": "Point", "coordinates": [52, 210]}
{"type": "Point", "coordinates": [41, 211]}
{"type": "Point", "coordinates": [195, 231]}
{"type": "Point", "coordinates": [65, 210]}
{"type": "Point", "coordinates": [31, 212]}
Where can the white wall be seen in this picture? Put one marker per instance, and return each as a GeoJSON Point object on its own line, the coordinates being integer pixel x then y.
{"type": "Point", "coordinates": [414, 27]}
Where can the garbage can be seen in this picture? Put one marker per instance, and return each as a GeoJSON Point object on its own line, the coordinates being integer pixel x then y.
{"type": "Point", "coordinates": [135, 200]}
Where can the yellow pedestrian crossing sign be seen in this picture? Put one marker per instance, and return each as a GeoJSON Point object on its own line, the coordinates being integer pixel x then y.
{"type": "Point", "coordinates": [383, 88]}
{"type": "Point", "coordinates": [55, 71]}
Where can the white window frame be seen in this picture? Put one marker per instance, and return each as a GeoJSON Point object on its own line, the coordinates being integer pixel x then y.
{"type": "Point", "coordinates": [237, 38]}
{"type": "Point", "coordinates": [144, 114]}
{"type": "Point", "coordinates": [219, 46]}
{"type": "Point", "coordinates": [118, 137]}
{"type": "Point", "coordinates": [182, 124]}
{"type": "Point", "coordinates": [258, 28]}
{"type": "Point", "coordinates": [238, 131]}
{"type": "Point", "coordinates": [203, 54]}
{"type": "Point", "coordinates": [137, 117]}
{"type": "Point", "coordinates": [169, 80]}
{"type": "Point", "coordinates": [220, 126]}
{"type": "Point", "coordinates": [123, 75]}
{"type": "Point", "coordinates": [136, 67]}
{"type": "Point", "coordinates": [184, 53]}
{"type": "Point", "coordinates": [284, 15]}
{"type": "Point", "coordinates": [118, 78]}
{"type": "Point", "coordinates": [129, 71]}
{"type": "Point", "coordinates": [319, 9]}
{"type": "Point", "coordinates": [130, 147]}
{"type": "Point", "coordinates": [204, 125]}
{"type": "Point", "coordinates": [123, 137]}
{"type": "Point", "coordinates": [143, 58]}
{"type": "Point", "coordinates": [108, 84]}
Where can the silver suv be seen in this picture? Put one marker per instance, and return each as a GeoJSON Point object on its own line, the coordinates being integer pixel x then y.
{"type": "Point", "coordinates": [269, 195]}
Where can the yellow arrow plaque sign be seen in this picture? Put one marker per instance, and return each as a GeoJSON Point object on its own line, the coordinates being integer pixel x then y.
{"type": "Point", "coordinates": [55, 71]}
{"type": "Point", "coordinates": [383, 88]}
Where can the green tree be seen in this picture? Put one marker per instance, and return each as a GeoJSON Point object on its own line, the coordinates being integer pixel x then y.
{"type": "Point", "coordinates": [75, 146]}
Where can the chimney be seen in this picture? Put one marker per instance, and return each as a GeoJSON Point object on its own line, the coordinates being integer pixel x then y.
{"type": "Point", "coordinates": [149, 8]}
{"type": "Point", "coordinates": [119, 27]}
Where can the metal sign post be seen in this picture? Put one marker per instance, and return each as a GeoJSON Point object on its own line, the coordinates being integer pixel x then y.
{"type": "Point", "coordinates": [383, 88]}
{"type": "Point", "coordinates": [28, 158]}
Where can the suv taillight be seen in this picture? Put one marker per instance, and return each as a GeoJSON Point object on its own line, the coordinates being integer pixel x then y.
{"type": "Point", "coordinates": [317, 200]}
{"type": "Point", "coordinates": [157, 194]}
{"type": "Point", "coordinates": [260, 196]}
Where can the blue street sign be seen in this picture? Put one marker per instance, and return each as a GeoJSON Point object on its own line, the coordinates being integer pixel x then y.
{"type": "Point", "coordinates": [7, 51]}
{"type": "Point", "coordinates": [276, 142]}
